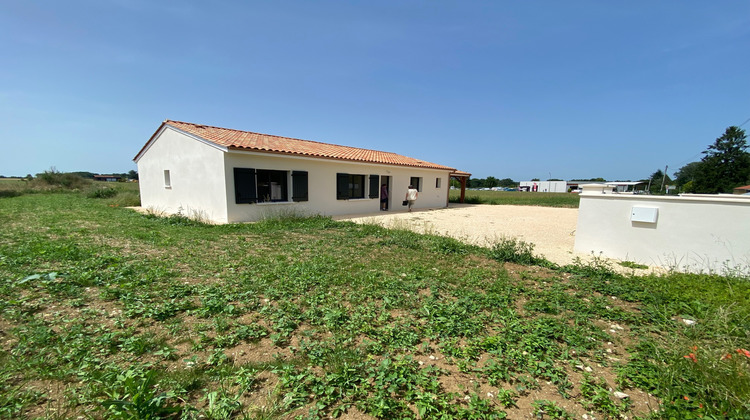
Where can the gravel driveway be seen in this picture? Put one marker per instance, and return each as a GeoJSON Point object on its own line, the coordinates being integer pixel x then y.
{"type": "Point", "coordinates": [550, 229]}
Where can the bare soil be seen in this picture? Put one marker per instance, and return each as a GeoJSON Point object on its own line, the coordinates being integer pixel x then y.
{"type": "Point", "coordinates": [551, 229]}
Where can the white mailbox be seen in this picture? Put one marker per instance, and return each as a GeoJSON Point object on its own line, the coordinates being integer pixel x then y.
{"type": "Point", "coordinates": [644, 214]}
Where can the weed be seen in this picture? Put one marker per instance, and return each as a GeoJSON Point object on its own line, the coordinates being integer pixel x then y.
{"type": "Point", "coordinates": [513, 250]}
{"type": "Point", "coordinates": [134, 395]}
{"type": "Point", "coordinates": [102, 193]}
{"type": "Point", "coordinates": [631, 264]}
{"type": "Point", "coordinates": [544, 409]}
{"type": "Point", "coordinates": [307, 317]}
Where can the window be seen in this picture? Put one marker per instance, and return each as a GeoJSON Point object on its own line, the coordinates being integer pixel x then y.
{"type": "Point", "coordinates": [437, 182]}
{"type": "Point", "coordinates": [167, 179]}
{"type": "Point", "coordinates": [263, 185]}
{"type": "Point", "coordinates": [350, 186]}
{"type": "Point", "coordinates": [374, 186]}
{"type": "Point", "coordinates": [415, 182]}
{"type": "Point", "coordinates": [271, 185]}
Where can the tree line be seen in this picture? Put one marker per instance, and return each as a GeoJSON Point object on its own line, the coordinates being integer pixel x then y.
{"type": "Point", "coordinates": [724, 167]}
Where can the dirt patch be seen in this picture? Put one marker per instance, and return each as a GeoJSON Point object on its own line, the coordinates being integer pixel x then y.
{"type": "Point", "coordinates": [551, 229]}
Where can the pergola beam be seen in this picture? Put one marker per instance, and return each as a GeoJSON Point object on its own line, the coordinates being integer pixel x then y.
{"type": "Point", "coordinates": [462, 177]}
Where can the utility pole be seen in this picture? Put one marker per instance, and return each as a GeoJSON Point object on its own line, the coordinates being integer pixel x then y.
{"type": "Point", "coordinates": [664, 178]}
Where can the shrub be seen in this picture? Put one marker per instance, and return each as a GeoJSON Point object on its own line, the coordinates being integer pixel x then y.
{"type": "Point", "coordinates": [514, 250]}
{"type": "Point", "coordinates": [102, 193]}
{"type": "Point", "coordinates": [54, 178]}
{"type": "Point", "coordinates": [9, 193]}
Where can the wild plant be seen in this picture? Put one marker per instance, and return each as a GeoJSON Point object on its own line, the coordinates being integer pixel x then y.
{"type": "Point", "coordinates": [134, 394]}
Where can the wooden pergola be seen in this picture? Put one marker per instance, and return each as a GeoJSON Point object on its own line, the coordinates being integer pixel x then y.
{"type": "Point", "coordinates": [463, 178]}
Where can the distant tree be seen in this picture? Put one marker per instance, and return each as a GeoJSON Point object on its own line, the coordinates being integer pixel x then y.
{"type": "Point", "coordinates": [132, 174]}
{"type": "Point", "coordinates": [507, 183]}
{"type": "Point", "coordinates": [84, 174]}
{"type": "Point", "coordinates": [554, 179]}
{"type": "Point", "coordinates": [656, 179]}
{"type": "Point", "coordinates": [535, 179]}
{"type": "Point", "coordinates": [726, 164]}
{"type": "Point", "coordinates": [686, 173]}
{"type": "Point", "coordinates": [491, 181]}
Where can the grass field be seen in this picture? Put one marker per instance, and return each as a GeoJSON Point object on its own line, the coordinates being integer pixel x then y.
{"type": "Point", "coordinates": [107, 313]}
{"type": "Point", "coordinates": [517, 198]}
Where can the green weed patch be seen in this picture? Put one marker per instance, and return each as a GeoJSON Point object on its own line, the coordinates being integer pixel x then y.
{"type": "Point", "coordinates": [108, 313]}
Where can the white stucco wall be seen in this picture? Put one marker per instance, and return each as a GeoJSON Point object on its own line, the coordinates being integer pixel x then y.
{"type": "Point", "coordinates": [197, 180]}
{"type": "Point", "coordinates": [698, 233]}
{"type": "Point", "coordinates": [322, 186]}
{"type": "Point", "coordinates": [202, 182]}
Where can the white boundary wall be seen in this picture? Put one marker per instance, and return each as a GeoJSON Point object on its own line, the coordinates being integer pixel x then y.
{"type": "Point", "coordinates": [696, 233]}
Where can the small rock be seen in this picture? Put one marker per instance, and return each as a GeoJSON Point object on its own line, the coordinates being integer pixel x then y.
{"type": "Point", "coordinates": [609, 350]}
{"type": "Point", "coordinates": [490, 395]}
{"type": "Point", "coordinates": [588, 369]}
{"type": "Point", "coordinates": [433, 358]}
{"type": "Point", "coordinates": [585, 417]}
{"type": "Point", "coordinates": [467, 398]}
{"type": "Point", "coordinates": [688, 322]}
{"type": "Point", "coordinates": [620, 395]}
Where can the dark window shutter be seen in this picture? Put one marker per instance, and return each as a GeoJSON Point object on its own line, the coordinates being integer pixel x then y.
{"type": "Point", "coordinates": [244, 185]}
{"type": "Point", "coordinates": [374, 186]}
{"type": "Point", "coordinates": [299, 185]}
{"type": "Point", "coordinates": [342, 186]}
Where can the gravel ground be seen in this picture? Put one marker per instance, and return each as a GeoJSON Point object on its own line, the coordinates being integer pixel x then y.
{"type": "Point", "coordinates": [550, 229]}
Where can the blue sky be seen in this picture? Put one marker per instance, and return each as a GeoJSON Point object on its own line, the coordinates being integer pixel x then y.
{"type": "Point", "coordinates": [521, 90]}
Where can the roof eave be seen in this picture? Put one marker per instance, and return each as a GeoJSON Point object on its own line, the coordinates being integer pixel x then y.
{"type": "Point", "coordinates": [313, 156]}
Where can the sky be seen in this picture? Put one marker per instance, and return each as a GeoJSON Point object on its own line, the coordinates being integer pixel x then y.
{"type": "Point", "coordinates": [510, 89]}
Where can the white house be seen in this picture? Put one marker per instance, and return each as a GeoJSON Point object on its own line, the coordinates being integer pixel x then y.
{"type": "Point", "coordinates": [226, 175]}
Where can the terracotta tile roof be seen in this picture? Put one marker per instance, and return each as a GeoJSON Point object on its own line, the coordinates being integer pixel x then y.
{"type": "Point", "coordinates": [246, 140]}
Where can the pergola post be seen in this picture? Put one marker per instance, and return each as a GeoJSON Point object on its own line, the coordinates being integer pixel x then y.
{"type": "Point", "coordinates": [462, 177]}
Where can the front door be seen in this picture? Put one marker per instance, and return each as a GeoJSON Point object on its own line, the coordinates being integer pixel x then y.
{"type": "Point", "coordinates": [387, 181]}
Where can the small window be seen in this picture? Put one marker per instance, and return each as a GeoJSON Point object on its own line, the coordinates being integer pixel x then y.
{"type": "Point", "coordinates": [415, 182]}
{"type": "Point", "coordinates": [167, 179]}
{"type": "Point", "coordinates": [437, 182]}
